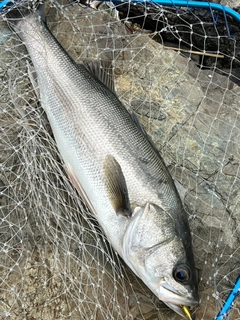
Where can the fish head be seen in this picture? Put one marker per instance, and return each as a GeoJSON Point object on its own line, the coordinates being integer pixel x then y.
{"type": "Point", "coordinates": [157, 247]}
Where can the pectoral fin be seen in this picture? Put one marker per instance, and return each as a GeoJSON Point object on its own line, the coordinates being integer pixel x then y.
{"type": "Point", "coordinates": [116, 186]}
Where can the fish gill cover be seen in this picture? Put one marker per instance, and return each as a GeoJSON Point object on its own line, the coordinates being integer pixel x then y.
{"type": "Point", "coordinates": [178, 69]}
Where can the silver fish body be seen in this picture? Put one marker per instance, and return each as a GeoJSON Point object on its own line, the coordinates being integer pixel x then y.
{"type": "Point", "coordinates": [115, 168]}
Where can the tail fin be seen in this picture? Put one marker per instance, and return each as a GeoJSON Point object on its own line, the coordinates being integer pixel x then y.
{"type": "Point", "coordinates": [17, 10]}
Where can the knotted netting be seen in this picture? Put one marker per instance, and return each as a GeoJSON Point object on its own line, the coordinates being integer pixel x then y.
{"type": "Point", "coordinates": [178, 68]}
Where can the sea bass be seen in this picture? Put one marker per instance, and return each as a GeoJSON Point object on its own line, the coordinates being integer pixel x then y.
{"type": "Point", "coordinates": [114, 166]}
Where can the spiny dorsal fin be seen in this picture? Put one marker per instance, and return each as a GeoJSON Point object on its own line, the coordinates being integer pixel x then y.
{"type": "Point", "coordinates": [116, 186]}
{"type": "Point", "coordinates": [136, 121]}
{"type": "Point", "coordinates": [102, 71]}
{"type": "Point", "coordinates": [180, 188]}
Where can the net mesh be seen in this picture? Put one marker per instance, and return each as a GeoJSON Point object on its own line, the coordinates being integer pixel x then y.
{"type": "Point", "coordinates": [178, 69]}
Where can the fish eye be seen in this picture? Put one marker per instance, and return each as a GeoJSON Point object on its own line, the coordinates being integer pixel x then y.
{"type": "Point", "coordinates": [181, 273]}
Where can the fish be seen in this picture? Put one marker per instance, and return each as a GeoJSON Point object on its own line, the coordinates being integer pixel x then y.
{"type": "Point", "coordinates": [113, 163]}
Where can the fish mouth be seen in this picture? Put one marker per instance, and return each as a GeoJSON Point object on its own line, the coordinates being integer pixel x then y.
{"type": "Point", "coordinates": [175, 301]}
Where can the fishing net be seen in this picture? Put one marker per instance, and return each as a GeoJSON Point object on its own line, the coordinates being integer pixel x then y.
{"type": "Point", "coordinates": [179, 70]}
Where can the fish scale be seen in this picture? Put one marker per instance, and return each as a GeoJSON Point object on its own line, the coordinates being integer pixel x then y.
{"type": "Point", "coordinates": [114, 166]}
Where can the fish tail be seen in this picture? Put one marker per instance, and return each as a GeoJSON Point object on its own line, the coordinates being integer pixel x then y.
{"type": "Point", "coordinates": [16, 11]}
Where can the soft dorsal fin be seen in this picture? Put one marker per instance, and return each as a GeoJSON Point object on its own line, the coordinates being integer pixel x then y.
{"type": "Point", "coordinates": [116, 186]}
{"type": "Point", "coordinates": [102, 71]}
{"type": "Point", "coordinates": [140, 127]}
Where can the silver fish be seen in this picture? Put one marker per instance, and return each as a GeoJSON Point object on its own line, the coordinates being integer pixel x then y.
{"type": "Point", "coordinates": [114, 166]}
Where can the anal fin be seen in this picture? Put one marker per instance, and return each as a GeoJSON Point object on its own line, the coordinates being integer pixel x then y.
{"type": "Point", "coordinates": [33, 78]}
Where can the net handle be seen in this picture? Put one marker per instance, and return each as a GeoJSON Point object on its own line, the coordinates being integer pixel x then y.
{"type": "Point", "coordinates": [171, 3]}
{"type": "Point", "coordinates": [229, 301]}
{"type": "Point", "coordinates": [188, 4]}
